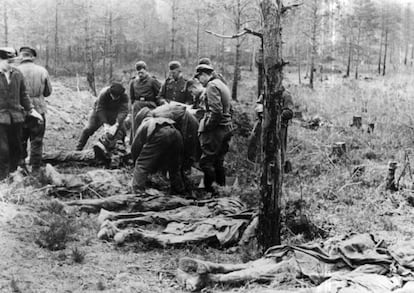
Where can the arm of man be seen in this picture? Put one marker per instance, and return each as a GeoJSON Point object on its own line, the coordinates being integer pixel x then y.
{"type": "Point", "coordinates": [160, 98]}
{"type": "Point", "coordinates": [131, 92]}
{"type": "Point", "coordinates": [47, 91]}
{"type": "Point", "coordinates": [24, 97]}
{"type": "Point", "coordinates": [215, 107]}
{"type": "Point", "coordinates": [156, 86]}
{"type": "Point", "coordinates": [138, 143]}
{"type": "Point", "coordinates": [123, 109]}
{"type": "Point", "coordinates": [101, 107]}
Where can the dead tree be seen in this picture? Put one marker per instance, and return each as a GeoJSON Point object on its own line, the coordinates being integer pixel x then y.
{"type": "Point", "coordinates": [271, 173]}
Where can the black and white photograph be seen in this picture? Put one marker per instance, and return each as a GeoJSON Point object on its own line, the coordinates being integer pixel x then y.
{"type": "Point", "coordinates": [212, 146]}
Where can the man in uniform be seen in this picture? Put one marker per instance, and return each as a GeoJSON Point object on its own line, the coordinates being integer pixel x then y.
{"type": "Point", "coordinates": [38, 87]}
{"type": "Point", "coordinates": [157, 146]}
{"type": "Point", "coordinates": [175, 86]}
{"type": "Point", "coordinates": [13, 101]}
{"type": "Point", "coordinates": [215, 129]}
{"type": "Point", "coordinates": [111, 108]}
{"type": "Point", "coordinates": [143, 91]}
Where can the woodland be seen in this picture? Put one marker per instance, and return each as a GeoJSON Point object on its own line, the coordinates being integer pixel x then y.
{"type": "Point", "coordinates": [340, 220]}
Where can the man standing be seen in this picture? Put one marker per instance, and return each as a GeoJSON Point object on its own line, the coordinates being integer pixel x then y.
{"type": "Point", "coordinates": [175, 86]}
{"type": "Point", "coordinates": [215, 129]}
{"type": "Point", "coordinates": [110, 108]}
{"type": "Point", "coordinates": [143, 91]}
{"type": "Point", "coordinates": [38, 87]}
{"type": "Point", "coordinates": [13, 101]}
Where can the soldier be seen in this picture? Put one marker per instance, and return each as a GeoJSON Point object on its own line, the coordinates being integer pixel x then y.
{"type": "Point", "coordinates": [143, 91]}
{"type": "Point", "coordinates": [175, 86]}
{"type": "Point", "coordinates": [157, 146]}
{"type": "Point", "coordinates": [186, 124]}
{"type": "Point", "coordinates": [13, 101]}
{"type": "Point", "coordinates": [38, 87]}
{"type": "Point", "coordinates": [215, 129]}
{"type": "Point", "coordinates": [110, 108]}
{"type": "Point", "coordinates": [207, 61]}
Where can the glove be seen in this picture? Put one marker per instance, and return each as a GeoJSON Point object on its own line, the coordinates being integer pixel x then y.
{"type": "Point", "coordinates": [36, 115]}
{"type": "Point", "coordinates": [286, 115]}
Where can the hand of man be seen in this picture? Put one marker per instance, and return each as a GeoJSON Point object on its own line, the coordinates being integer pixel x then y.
{"type": "Point", "coordinates": [112, 130]}
{"type": "Point", "coordinates": [36, 115]}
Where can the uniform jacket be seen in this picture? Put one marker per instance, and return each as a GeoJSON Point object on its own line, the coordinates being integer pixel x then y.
{"type": "Point", "coordinates": [37, 84]}
{"type": "Point", "coordinates": [175, 90]}
{"type": "Point", "coordinates": [13, 98]}
{"type": "Point", "coordinates": [108, 109]}
{"type": "Point", "coordinates": [187, 124]}
{"type": "Point", "coordinates": [144, 132]}
{"type": "Point", "coordinates": [145, 89]}
{"type": "Point", "coordinates": [218, 105]}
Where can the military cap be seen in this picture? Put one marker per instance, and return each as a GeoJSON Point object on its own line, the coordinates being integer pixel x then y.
{"type": "Point", "coordinates": [204, 60]}
{"type": "Point", "coordinates": [174, 65]}
{"type": "Point", "coordinates": [140, 65]}
{"type": "Point", "coordinates": [28, 49]}
{"type": "Point", "coordinates": [203, 68]}
{"type": "Point", "coordinates": [7, 53]}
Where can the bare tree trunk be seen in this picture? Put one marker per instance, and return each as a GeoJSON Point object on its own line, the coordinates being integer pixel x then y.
{"type": "Point", "coordinates": [348, 65]}
{"type": "Point", "coordinates": [298, 60]}
{"type": "Point", "coordinates": [407, 33]}
{"type": "Point", "coordinates": [6, 24]}
{"type": "Point", "coordinates": [198, 35]}
{"type": "Point", "coordinates": [90, 69]}
{"type": "Point", "coordinates": [271, 173]}
{"type": "Point", "coordinates": [56, 61]}
{"type": "Point", "coordinates": [110, 42]}
{"type": "Point", "coordinates": [385, 51]}
{"type": "Point", "coordinates": [357, 51]}
{"type": "Point", "coordinates": [236, 74]}
{"type": "Point", "coordinates": [260, 70]}
{"type": "Point", "coordinates": [380, 52]}
{"type": "Point", "coordinates": [173, 28]}
{"type": "Point", "coordinates": [313, 42]}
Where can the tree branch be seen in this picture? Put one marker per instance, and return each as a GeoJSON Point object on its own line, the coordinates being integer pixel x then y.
{"type": "Point", "coordinates": [227, 37]}
{"type": "Point", "coordinates": [286, 8]}
{"type": "Point", "coordinates": [244, 32]}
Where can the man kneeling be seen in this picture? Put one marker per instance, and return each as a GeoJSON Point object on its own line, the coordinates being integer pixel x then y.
{"type": "Point", "coordinates": [157, 146]}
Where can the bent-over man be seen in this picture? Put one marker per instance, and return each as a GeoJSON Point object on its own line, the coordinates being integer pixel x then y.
{"type": "Point", "coordinates": [157, 146]}
{"type": "Point", "coordinates": [110, 108]}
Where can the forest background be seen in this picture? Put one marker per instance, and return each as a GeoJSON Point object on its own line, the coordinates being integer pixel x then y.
{"type": "Point", "coordinates": [102, 40]}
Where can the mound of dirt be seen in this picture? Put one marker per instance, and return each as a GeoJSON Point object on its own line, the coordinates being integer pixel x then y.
{"type": "Point", "coordinates": [67, 114]}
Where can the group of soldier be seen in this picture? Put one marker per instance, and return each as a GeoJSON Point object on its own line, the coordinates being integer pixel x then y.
{"type": "Point", "coordinates": [23, 88]}
{"type": "Point", "coordinates": [166, 134]}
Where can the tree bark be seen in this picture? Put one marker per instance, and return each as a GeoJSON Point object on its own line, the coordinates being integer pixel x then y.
{"type": "Point", "coordinates": [271, 173]}
{"type": "Point", "coordinates": [173, 28]}
{"type": "Point", "coordinates": [6, 24]}
{"type": "Point", "coordinates": [385, 52]}
{"type": "Point", "coordinates": [380, 52]}
{"type": "Point", "coordinates": [90, 69]}
{"type": "Point", "coordinates": [236, 74]}
{"type": "Point", "coordinates": [348, 65]}
{"type": "Point", "coordinates": [56, 61]}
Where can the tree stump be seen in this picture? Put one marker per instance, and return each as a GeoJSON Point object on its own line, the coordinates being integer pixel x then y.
{"type": "Point", "coordinates": [371, 127]}
{"type": "Point", "coordinates": [390, 181]}
{"type": "Point", "coordinates": [357, 122]}
{"type": "Point", "coordinates": [338, 149]}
